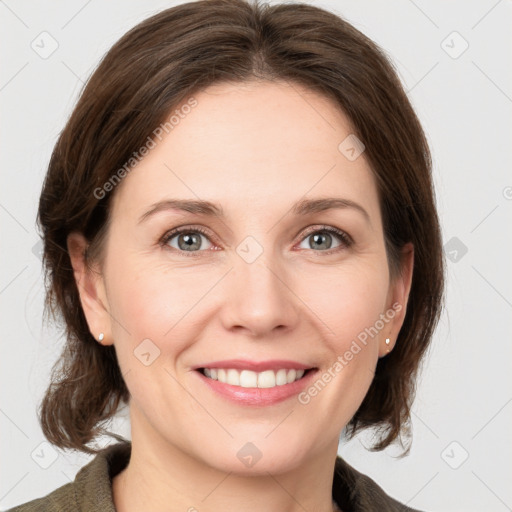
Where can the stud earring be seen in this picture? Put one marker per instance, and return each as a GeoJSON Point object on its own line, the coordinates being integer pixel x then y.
{"type": "Point", "coordinates": [101, 336]}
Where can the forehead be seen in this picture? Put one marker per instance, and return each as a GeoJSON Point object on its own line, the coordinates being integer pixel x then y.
{"type": "Point", "coordinates": [255, 144]}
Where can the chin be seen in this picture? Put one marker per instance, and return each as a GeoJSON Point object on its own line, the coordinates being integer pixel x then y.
{"type": "Point", "coordinates": [255, 458]}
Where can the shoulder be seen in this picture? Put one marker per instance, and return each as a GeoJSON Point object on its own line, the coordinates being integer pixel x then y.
{"type": "Point", "coordinates": [92, 488]}
{"type": "Point", "coordinates": [60, 500]}
{"type": "Point", "coordinates": [356, 492]}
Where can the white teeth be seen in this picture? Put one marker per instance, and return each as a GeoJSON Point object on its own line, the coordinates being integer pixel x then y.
{"type": "Point", "coordinates": [266, 379]}
{"type": "Point", "coordinates": [233, 377]}
{"type": "Point", "coordinates": [281, 377]}
{"type": "Point", "coordinates": [250, 379]}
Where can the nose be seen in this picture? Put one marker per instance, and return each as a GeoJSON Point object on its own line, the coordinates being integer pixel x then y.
{"type": "Point", "coordinates": [259, 298]}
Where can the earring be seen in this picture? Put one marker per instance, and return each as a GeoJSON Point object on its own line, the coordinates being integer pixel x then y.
{"type": "Point", "coordinates": [101, 336]}
{"type": "Point", "coordinates": [388, 341]}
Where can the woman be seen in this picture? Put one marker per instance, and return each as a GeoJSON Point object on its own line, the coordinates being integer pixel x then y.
{"type": "Point", "coordinates": [241, 237]}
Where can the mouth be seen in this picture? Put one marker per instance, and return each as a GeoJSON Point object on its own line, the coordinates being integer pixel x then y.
{"type": "Point", "coordinates": [251, 379]}
{"type": "Point", "coordinates": [244, 387]}
{"type": "Point", "coordinates": [249, 382]}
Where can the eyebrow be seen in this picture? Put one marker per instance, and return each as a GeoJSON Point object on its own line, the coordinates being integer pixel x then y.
{"type": "Point", "coordinates": [301, 208]}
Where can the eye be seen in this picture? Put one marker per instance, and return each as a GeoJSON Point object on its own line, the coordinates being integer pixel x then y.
{"type": "Point", "coordinates": [188, 239]}
{"type": "Point", "coordinates": [322, 239]}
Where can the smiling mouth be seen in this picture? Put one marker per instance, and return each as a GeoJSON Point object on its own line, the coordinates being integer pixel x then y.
{"type": "Point", "coordinates": [250, 379]}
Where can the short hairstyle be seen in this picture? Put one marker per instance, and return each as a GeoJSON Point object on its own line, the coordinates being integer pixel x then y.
{"type": "Point", "coordinates": [150, 71]}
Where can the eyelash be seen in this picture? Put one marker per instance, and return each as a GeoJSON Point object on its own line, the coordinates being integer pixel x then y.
{"type": "Point", "coordinates": [344, 238]}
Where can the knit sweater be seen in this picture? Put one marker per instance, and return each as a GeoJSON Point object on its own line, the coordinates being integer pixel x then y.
{"type": "Point", "coordinates": [91, 491]}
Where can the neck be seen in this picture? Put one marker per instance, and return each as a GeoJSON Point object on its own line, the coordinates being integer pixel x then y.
{"type": "Point", "coordinates": [160, 477]}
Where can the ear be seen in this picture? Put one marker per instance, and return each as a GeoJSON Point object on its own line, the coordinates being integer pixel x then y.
{"type": "Point", "coordinates": [91, 289]}
{"type": "Point", "coordinates": [398, 297]}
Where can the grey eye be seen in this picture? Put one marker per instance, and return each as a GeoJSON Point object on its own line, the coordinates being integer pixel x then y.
{"type": "Point", "coordinates": [321, 240]}
{"type": "Point", "coordinates": [189, 241]}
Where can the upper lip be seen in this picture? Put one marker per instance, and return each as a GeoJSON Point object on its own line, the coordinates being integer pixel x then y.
{"type": "Point", "coordinates": [255, 366]}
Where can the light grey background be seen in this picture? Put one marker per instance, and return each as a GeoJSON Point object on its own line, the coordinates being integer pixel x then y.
{"type": "Point", "coordinates": [464, 100]}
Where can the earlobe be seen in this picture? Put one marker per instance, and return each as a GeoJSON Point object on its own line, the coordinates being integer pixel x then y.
{"type": "Point", "coordinates": [91, 289]}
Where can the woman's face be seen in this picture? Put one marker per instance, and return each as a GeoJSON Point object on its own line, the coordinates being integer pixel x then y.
{"type": "Point", "coordinates": [263, 282]}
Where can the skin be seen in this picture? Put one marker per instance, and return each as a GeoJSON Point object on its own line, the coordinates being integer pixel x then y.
{"type": "Point", "coordinates": [255, 149]}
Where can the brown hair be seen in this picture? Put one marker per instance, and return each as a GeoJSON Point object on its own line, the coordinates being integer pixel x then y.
{"type": "Point", "coordinates": [151, 70]}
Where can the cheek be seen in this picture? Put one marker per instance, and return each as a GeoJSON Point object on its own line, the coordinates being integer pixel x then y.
{"type": "Point", "coordinates": [153, 312]}
{"type": "Point", "coordinates": [347, 299]}
{"type": "Point", "coordinates": [348, 302]}
{"type": "Point", "coordinates": [151, 300]}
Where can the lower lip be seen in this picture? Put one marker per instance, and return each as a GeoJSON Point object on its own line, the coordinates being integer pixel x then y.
{"type": "Point", "coordinates": [258, 396]}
